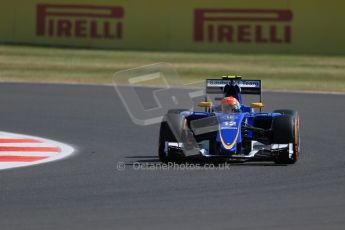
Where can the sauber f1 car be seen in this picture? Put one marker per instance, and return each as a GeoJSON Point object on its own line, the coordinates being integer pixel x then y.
{"type": "Point", "coordinates": [242, 134]}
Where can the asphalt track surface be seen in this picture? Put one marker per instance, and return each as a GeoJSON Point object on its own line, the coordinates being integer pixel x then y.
{"type": "Point", "coordinates": [88, 192]}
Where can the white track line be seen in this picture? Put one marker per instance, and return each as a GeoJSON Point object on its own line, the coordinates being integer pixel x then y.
{"type": "Point", "coordinates": [36, 154]}
{"type": "Point", "coordinates": [26, 144]}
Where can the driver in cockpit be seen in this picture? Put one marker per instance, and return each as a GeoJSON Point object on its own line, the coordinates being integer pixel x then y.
{"type": "Point", "coordinates": [230, 105]}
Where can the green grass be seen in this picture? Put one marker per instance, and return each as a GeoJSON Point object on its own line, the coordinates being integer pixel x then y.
{"type": "Point", "coordinates": [288, 72]}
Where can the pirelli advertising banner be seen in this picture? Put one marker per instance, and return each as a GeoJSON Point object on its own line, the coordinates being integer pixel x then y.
{"type": "Point", "coordinates": [247, 26]}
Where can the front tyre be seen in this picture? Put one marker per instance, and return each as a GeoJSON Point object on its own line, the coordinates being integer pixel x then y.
{"type": "Point", "coordinates": [165, 135]}
{"type": "Point", "coordinates": [171, 132]}
{"type": "Point", "coordinates": [285, 130]}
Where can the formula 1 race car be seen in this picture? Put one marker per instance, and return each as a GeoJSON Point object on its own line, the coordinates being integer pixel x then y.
{"type": "Point", "coordinates": [230, 131]}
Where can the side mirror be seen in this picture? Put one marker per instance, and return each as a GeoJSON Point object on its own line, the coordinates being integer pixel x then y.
{"type": "Point", "coordinates": [257, 105]}
{"type": "Point", "coordinates": [205, 104]}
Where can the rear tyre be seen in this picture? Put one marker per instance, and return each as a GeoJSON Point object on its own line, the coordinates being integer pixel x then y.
{"type": "Point", "coordinates": [285, 130]}
{"type": "Point", "coordinates": [290, 112]}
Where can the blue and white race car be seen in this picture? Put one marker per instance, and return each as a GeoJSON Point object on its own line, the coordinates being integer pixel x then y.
{"type": "Point", "coordinates": [231, 130]}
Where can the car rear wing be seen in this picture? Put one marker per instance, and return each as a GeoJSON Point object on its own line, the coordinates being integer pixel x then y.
{"type": "Point", "coordinates": [216, 86]}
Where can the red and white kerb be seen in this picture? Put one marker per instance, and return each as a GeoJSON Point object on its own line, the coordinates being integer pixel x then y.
{"type": "Point", "coordinates": [17, 150]}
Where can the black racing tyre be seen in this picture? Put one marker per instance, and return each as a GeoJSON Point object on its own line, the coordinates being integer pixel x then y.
{"type": "Point", "coordinates": [282, 129]}
{"type": "Point", "coordinates": [171, 130]}
{"type": "Point", "coordinates": [165, 134]}
{"type": "Point", "coordinates": [291, 112]}
{"type": "Point", "coordinates": [296, 143]}
{"type": "Point", "coordinates": [285, 130]}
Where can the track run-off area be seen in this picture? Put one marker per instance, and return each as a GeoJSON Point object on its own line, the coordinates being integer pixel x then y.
{"type": "Point", "coordinates": [87, 191]}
